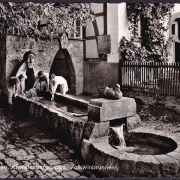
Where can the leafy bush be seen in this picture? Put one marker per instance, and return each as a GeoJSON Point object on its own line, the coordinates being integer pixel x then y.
{"type": "Point", "coordinates": [153, 18]}
{"type": "Point", "coordinates": [23, 17]}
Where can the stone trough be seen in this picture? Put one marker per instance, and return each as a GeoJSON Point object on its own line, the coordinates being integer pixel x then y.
{"type": "Point", "coordinates": [89, 134]}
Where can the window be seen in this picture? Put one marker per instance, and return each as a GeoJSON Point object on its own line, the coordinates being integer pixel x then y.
{"type": "Point", "coordinates": [173, 29]}
{"type": "Point", "coordinates": [139, 28]}
{"type": "Point", "coordinates": [78, 33]}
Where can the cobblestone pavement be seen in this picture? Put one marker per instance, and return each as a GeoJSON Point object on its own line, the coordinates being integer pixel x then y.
{"type": "Point", "coordinates": [26, 151]}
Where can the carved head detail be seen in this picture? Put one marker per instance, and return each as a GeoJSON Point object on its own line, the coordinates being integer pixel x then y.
{"type": "Point", "coordinates": [30, 59]}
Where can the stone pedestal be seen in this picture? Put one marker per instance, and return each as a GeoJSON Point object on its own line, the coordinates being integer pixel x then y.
{"type": "Point", "coordinates": [102, 109]}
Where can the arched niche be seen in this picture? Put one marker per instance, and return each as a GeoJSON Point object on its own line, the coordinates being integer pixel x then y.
{"type": "Point", "coordinates": [45, 52]}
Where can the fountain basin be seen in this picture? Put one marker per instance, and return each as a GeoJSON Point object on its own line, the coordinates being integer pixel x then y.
{"type": "Point", "coordinates": [60, 121]}
{"type": "Point", "coordinates": [125, 163]}
{"type": "Point", "coordinates": [79, 133]}
{"type": "Point", "coordinates": [149, 144]}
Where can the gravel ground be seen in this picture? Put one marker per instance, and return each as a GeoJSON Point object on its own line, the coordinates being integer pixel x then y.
{"type": "Point", "coordinates": [160, 118]}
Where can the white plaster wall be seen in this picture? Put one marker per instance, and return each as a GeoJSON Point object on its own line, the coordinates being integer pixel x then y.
{"type": "Point", "coordinates": [117, 24]}
{"type": "Point", "coordinates": [167, 34]}
{"type": "Point", "coordinates": [112, 30]}
{"type": "Point", "coordinates": [90, 29]}
{"type": "Point", "coordinates": [176, 8]}
{"type": "Point", "coordinates": [97, 7]}
{"type": "Point", "coordinates": [123, 22]}
{"type": "Point", "coordinates": [91, 49]}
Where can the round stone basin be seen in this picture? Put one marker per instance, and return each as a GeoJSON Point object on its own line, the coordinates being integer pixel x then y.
{"type": "Point", "coordinates": [146, 155]}
{"type": "Point", "coordinates": [149, 144]}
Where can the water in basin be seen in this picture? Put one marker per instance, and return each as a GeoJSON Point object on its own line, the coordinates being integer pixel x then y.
{"type": "Point", "coordinates": [146, 149]}
{"type": "Point", "coordinates": [64, 107]}
{"type": "Point", "coordinates": [143, 143]}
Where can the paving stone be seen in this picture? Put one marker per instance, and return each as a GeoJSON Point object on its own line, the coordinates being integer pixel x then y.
{"type": "Point", "coordinates": [84, 177]}
{"type": "Point", "coordinates": [59, 168]}
{"type": "Point", "coordinates": [2, 156]}
{"type": "Point", "coordinates": [68, 167]}
{"type": "Point", "coordinates": [28, 157]}
{"type": "Point", "coordinates": [16, 153]}
{"type": "Point", "coordinates": [4, 173]}
{"type": "Point", "coordinates": [54, 162]}
{"type": "Point", "coordinates": [1, 147]}
{"type": "Point", "coordinates": [14, 172]}
{"type": "Point", "coordinates": [59, 177]}
{"type": "Point", "coordinates": [48, 174]}
{"type": "Point", "coordinates": [19, 176]}
{"type": "Point", "coordinates": [38, 172]}
{"type": "Point", "coordinates": [26, 163]}
{"type": "Point", "coordinates": [22, 169]}
{"type": "Point", "coordinates": [54, 173]}
{"type": "Point", "coordinates": [44, 170]}
{"type": "Point", "coordinates": [30, 174]}
{"type": "Point", "coordinates": [70, 174]}
{"type": "Point", "coordinates": [2, 140]}
{"type": "Point", "coordinates": [29, 150]}
{"type": "Point", "coordinates": [47, 155]}
{"type": "Point", "coordinates": [11, 162]}
{"type": "Point", "coordinates": [10, 176]}
{"type": "Point", "coordinates": [43, 176]}
{"type": "Point", "coordinates": [40, 161]}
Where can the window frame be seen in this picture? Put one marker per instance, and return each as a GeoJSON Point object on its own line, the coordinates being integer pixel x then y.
{"type": "Point", "coordinates": [74, 33]}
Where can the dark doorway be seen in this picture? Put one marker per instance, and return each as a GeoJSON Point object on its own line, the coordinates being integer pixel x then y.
{"type": "Point", "coordinates": [177, 52]}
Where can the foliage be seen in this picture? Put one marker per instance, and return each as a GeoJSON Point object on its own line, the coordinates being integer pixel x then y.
{"type": "Point", "coordinates": [153, 17]}
{"type": "Point", "coordinates": [23, 17]}
{"type": "Point", "coordinates": [131, 52]}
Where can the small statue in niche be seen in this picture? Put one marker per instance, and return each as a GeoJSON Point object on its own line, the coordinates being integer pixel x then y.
{"type": "Point", "coordinates": [16, 86]}
{"type": "Point", "coordinates": [55, 81]}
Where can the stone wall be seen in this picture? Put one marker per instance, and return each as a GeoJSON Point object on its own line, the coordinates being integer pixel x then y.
{"type": "Point", "coordinates": [99, 74]}
{"type": "Point", "coordinates": [2, 62]}
{"type": "Point", "coordinates": [13, 48]}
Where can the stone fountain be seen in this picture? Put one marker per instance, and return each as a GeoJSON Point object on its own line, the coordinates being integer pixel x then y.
{"type": "Point", "coordinates": [142, 153]}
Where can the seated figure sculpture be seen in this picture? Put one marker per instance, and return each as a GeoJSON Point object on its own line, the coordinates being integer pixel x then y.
{"type": "Point", "coordinates": [113, 93]}
{"type": "Point", "coordinates": [55, 81]}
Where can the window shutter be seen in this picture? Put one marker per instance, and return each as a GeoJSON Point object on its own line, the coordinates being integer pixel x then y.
{"type": "Point", "coordinates": [104, 44]}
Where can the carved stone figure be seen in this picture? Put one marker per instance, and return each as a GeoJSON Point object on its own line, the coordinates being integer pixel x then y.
{"type": "Point", "coordinates": [29, 67]}
{"type": "Point", "coordinates": [113, 93]}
